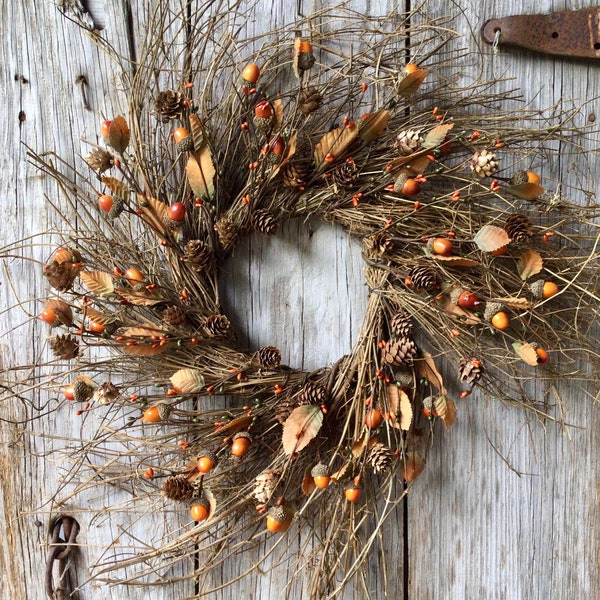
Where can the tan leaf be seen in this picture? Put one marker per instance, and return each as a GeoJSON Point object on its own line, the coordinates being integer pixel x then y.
{"type": "Point", "coordinates": [235, 425]}
{"type": "Point", "coordinates": [118, 134]}
{"type": "Point", "coordinates": [201, 173]}
{"type": "Point", "coordinates": [212, 502]}
{"type": "Point", "coordinates": [308, 483]}
{"type": "Point", "coordinates": [290, 150]}
{"type": "Point", "coordinates": [526, 352]}
{"type": "Point", "coordinates": [278, 113]}
{"type": "Point", "coordinates": [400, 407]}
{"type": "Point", "coordinates": [490, 238]}
{"type": "Point", "coordinates": [372, 127]}
{"type": "Point", "coordinates": [153, 212]}
{"type": "Point", "coordinates": [526, 191]}
{"type": "Point", "coordinates": [117, 187]}
{"type": "Point", "coordinates": [62, 310]}
{"type": "Point", "coordinates": [98, 317]}
{"type": "Point", "coordinates": [412, 82]}
{"type": "Point", "coordinates": [334, 144]}
{"type": "Point", "coordinates": [359, 445]}
{"type": "Point", "coordinates": [529, 263]}
{"type": "Point", "coordinates": [197, 132]}
{"type": "Point", "coordinates": [187, 381]}
{"type": "Point", "coordinates": [142, 340]}
{"type": "Point", "coordinates": [139, 297]}
{"type": "Point", "coordinates": [341, 472]}
{"type": "Point", "coordinates": [412, 466]}
{"type": "Point", "coordinates": [426, 368]}
{"type": "Point", "coordinates": [456, 261]}
{"type": "Point", "coordinates": [413, 164]}
{"type": "Point", "coordinates": [301, 427]}
{"type": "Point", "coordinates": [446, 409]}
{"type": "Point", "coordinates": [98, 282]}
{"type": "Point", "coordinates": [516, 303]}
{"type": "Point", "coordinates": [437, 136]}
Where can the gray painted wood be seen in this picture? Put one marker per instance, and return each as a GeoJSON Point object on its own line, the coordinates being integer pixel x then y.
{"type": "Point", "coordinates": [507, 507]}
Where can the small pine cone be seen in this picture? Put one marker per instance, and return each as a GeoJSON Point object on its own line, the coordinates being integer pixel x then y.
{"type": "Point", "coordinates": [491, 308]}
{"type": "Point", "coordinates": [401, 324]}
{"type": "Point", "coordinates": [377, 245]}
{"type": "Point", "coordinates": [310, 100]}
{"type": "Point", "coordinates": [198, 254]}
{"type": "Point", "coordinates": [264, 222]}
{"type": "Point", "coordinates": [380, 458]}
{"type": "Point", "coordinates": [60, 276]}
{"type": "Point", "coordinates": [169, 104]}
{"type": "Point", "coordinates": [408, 141]}
{"type": "Point", "coordinates": [227, 233]}
{"type": "Point", "coordinates": [217, 326]}
{"type": "Point", "coordinates": [537, 288]}
{"type": "Point", "coordinates": [518, 227]}
{"type": "Point", "coordinates": [106, 393]}
{"type": "Point", "coordinates": [399, 351]}
{"type": "Point", "coordinates": [178, 488]}
{"type": "Point", "coordinates": [345, 175]}
{"type": "Point", "coordinates": [117, 208]}
{"type": "Point", "coordinates": [265, 485]}
{"type": "Point", "coordinates": [424, 278]}
{"type": "Point", "coordinates": [269, 357]}
{"type": "Point", "coordinates": [313, 393]}
{"type": "Point", "coordinates": [99, 160]}
{"type": "Point", "coordinates": [82, 391]}
{"type": "Point", "coordinates": [484, 163]}
{"type": "Point", "coordinates": [470, 371]}
{"type": "Point", "coordinates": [174, 316]}
{"type": "Point", "coordinates": [295, 174]}
{"type": "Point", "coordinates": [65, 346]}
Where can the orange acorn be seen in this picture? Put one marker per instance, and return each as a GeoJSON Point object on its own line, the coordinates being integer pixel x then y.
{"type": "Point", "coordinates": [183, 139]}
{"type": "Point", "coordinates": [105, 202]}
{"type": "Point", "coordinates": [353, 492]}
{"type": "Point", "coordinates": [411, 187]}
{"type": "Point", "coordinates": [251, 73]}
{"type": "Point", "coordinates": [207, 461]}
{"type": "Point", "coordinates": [441, 246]}
{"type": "Point", "coordinates": [134, 276]}
{"type": "Point", "coordinates": [278, 519]}
{"type": "Point", "coordinates": [373, 418]}
{"type": "Point", "coordinates": [154, 414]}
{"type": "Point", "coordinates": [200, 510]}
{"type": "Point", "coordinates": [543, 356]}
{"type": "Point", "coordinates": [500, 320]}
{"type": "Point", "coordinates": [49, 316]}
{"type": "Point", "coordinates": [549, 289]}
{"type": "Point", "coordinates": [241, 444]}
{"type": "Point", "coordinates": [320, 475]}
{"type": "Point", "coordinates": [105, 128]}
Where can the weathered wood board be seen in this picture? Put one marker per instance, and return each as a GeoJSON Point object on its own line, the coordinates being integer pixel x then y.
{"type": "Point", "coordinates": [507, 507]}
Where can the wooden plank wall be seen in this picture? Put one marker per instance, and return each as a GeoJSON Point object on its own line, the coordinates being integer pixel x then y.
{"type": "Point", "coordinates": [507, 508]}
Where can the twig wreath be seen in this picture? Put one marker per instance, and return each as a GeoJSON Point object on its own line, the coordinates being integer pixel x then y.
{"type": "Point", "coordinates": [467, 258]}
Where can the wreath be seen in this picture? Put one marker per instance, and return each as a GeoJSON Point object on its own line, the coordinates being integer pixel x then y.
{"type": "Point", "coordinates": [471, 267]}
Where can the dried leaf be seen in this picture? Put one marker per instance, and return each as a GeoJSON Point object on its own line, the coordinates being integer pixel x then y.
{"type": "Point", "coordinates": [117, 187]}
{"type": "Point", "coordinates": [411, 82]}
{"type": "Point", "coordinates": [235, 425]}
{"type": "Point", "coordinates": [187, 381]}
{"type": "Point", "coordinates": [139, 298]}
{"type": "Point", "coordinates": [530, 263]}
{"type": "Point", "coordinates": [212, 502]}
{"type": "Point", "coordinates": [413, 164]}
{"type": "Point", "coordinates": [201, 173]}
{"type": "Point", "coordinates": [526, 191]}
{"type": "Point", "coordinates": [334, 144]}
{"type": "Point", "coordinates": [426, 368]}
{"type": "Point", "coordinates": [290, 150]}
{"type": "Point", "coordinates": [308, 483]}
{"type": "Point", "coordinates": [437, 136]}
{"type": "Point", "coordinates": [526, 352]}
{"type": "Point", "coordinates": [341, 472]}
{"type": "Point", "coordinates": [98, 282]}
{"type": "Point", "coordinates": [142, 340]}
{"type": "Point", "coordinates": [412, 466]}
{"type": "Point", "coordinates": [301, 427]}
{"type": "Point", "coordinates": [118, 134]}
{"type": "Point", "coordinates": [400, 407]}
{"type": "Point", "coordinates": [516, 303]}
{"type": "Point", "coordinates": [446, 409]}
{"type": "Point", "coordinates": [97, 316]}
{"type": "Point", "coordinates": [61, 309]}
{"type": "Point", "coordinates": [372, 127]}
{"type": "Point", "coordinates": [359, 445]}
{"type": "Point", "coordinates": [278, 113]}
{"type": "Point", "coordinates": [456, 261]}
{"type": "Point", "coordinates": [197, 132]}
{"type": "Point", "coordinates": [153, 212]}
{"type": "Point", "coordinates": [490, 238]}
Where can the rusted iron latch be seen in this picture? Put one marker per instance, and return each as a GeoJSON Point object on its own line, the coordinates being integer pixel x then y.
{"type": "Point", "coordinates": [64, 533]}
{"type": "Point", "coordinates": [574, 33]}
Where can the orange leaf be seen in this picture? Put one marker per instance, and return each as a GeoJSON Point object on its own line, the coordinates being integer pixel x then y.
{"type": "Point", "coordinates": [308, 483]}
{"type": "Point", "coordinates": [143, 336]}
{"type": "Point", "coordinates": [490, 238]}
{"type": "Point", "coordinates": [372, 127]}
{"type": "Point", "coordinates": [446, 409]}
{"type": "Point", "coordinates": [236, 424]}
{"type": "Point", "coordinates": [437, 136]}
{"type": "Point", "coordinates": [411, 82]}
{"type": "Point", "coordinates": [117, 187]}
{"type": "Point", "coordinates": [526, 191]}
{"type": "Point", "coordinates": [456, 312]}
{"type": "Point", "coordinates": [139, 298]}
{"type": "Point", "coordinates": [153, 212]}
{"type": "Point", "coordinates": [201, 173]}
{"type": "Point", "coordinates": [341, 472]}
{"type": "Point", "coordinates": [301, 427]}
{"type": "Point", "coordinates": [456, 261]}
{"type": "Point", "coordinates": [98, 282]}
{"type": "Point", "coordinates": [333, 145]}
{"type": "Point", "coordinates": [278, 112]}
{"type": "Point", "coordinates": [118, 134]}
{"type": "Point", "coordinates": [197, 132]}
{"type": "Point", "coordinates": [414, 163]}
{"type": "Point", "coordinates": [359, 445]}
{"type": "Point", "coordinates": [62, 310]}
{"type": "Point", "coordinates": [526, 352]}
{"type": "Point", "coordinates": [412, 466]}
{"type": "Point", "coordinates": [427, 369]}
{"type": "Point", "coordinates": [530, 263]}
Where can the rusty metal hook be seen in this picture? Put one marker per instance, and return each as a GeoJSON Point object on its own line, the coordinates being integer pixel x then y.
{"type": "Point", "coordinates": [61, 548]}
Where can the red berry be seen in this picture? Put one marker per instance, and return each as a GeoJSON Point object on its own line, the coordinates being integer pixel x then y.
{"type": "Point", "coordinates": [263, 109]}
{"type": "Point", "coordinates": [105, 202]}
{"type": "Point", "coordinates": [468, 300]}
{"type": "Point", "coordinates": [48, 316]}
{"type": "Point", "coordinates": [176, 212]}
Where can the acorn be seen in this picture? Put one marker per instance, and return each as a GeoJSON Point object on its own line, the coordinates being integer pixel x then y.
{"type": "Point", "coordinates": [468, 300]}
{"type": "Point", "coordinates": [543, 289]}
{"type": "Point", "coordinates": [207, 461]}
{"type": "Point", "coordinates": [264, 116]}
{"type": "Point", "coordinates": [353, 492]}
{"type": "Point", "coordinates": [251, 74]}
{"type": "Point", "coordinates": [183, 139]}
{"type": "Point", "coordinates": [241, 444]}
{"type": "Point", "coordinates": [440, 246]}
{"type": "Point", "coordinates": [320, 475]}
{"type": "Point", "coordinates": [175, 215]}
{"type": "Point", "coordinates": [200, 510]}
{"type": "Point", "coordinates": [278, 519]}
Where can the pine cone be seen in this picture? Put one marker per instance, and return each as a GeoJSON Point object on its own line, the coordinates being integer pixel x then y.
{"type": "Point", "coordinates": [82, 391]}
{"type": "Point", "coordinates": [106, 393]}
{"type": "Point", "coordinates": [269, 357]}
{"type": "Point", "coordinates": [264, 222]}
{"type": "Point", "coordinates": [408, 141]}
{"type": "Point", "coordinates": [217, 326]}
{"type": "Point", "coordinates": [470, 371]}
{"type": "Point", "coordinates": [99, 160]}
{"type": "Point", "coordinates": [174, 316]}
{"type": "Point", "coordinates": [399, 351]}
{"type": "Point", "coordinates": [178, 488]}
{"type": "Point", "coordinates": [424, 278]}
{"type": "Point", "coordinates": [518, 227]}
{"type": "Point", "coordinates": [169, 104]}
{"type": "Point", "coordinates": [484, 163]}
{"type": "Point", "coordinates": [60, 276]}
{"type": "Point", "coordinates": [380, 457]}
{"type": "Point", "coordinates": [310, 100]}
{"type": "Point", "coordinates": [199, 255]}
{"type": "Point", "coordinates": [377, 245]}
{"type": "Point", "coordinates": [265, 485]}
{"type": "Point", "coordinates": [401, 324]}
{"type": "Point", "coordinates": [345, 175]}
{"type": "Point", "coordinates": [295, 174]}
{"type": "Point", "coordinates": [65, 346]}
{"type": "Point", "coordinates": [227, 233]}
{"type": "Point", "coordinates": [313, 393]}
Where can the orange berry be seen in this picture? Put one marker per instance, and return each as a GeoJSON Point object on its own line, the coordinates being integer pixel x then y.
{"type": "Point", "coordinates": [468, 300]}
{"type": "Point", "coordinates": [533, 177]}
{"type": "Point", "coordinates": [105, 202]}
{"type": "Point", "coordinates": [149, 473]}
{"type": "Point", "coordinates": [206, 463]}
{"type": "Point", "coordinates": [134, 276]}
{"type": "Point", "coordinates": [180, 134]}
{"type": "Point", "coordinates": [69, 392]}
{"type": "Point", "coordinates": [442, 246]}
{"type": "Point", "coordinates": [105, 128]}
{"type": "Point", "coordinates": [176, 212]}
{"type": "Point", "coordinates": [241, 444]}
{"type": "Point", "coordinates": [500, 320]}
{"type": "Point", "coordinates": [373, 418]}
{"type": "Point", "coordinates": [353, 493]}
{"type": "Point", "coordinates": [251, 73]}
{"type": "Point", "coordinates": [550, 289]}
{"type": "Point", "coordinates": [410, 68]}
{"type": "Point", "coordinates": [411, 187]}
{"type": "Point", "coordinates": [199, 512]}
{"type": "Point", "coordinates": [151, 415]}
{"type": "Point", "coordinates": [96, 327]}
{"type": "Point", "coordinates": [543, 356]}
{"type": "Point", "coordinates": [49, 316]}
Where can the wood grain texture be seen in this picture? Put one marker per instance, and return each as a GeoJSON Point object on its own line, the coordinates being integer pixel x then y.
{"type": "Point", "coordinates": [507, 507]}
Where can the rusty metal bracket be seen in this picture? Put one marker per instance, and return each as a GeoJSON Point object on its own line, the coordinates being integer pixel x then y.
{"type": "Point", "coordinates": [61, 549]}
{"type": "Point", "coordinates": [574, 33]}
